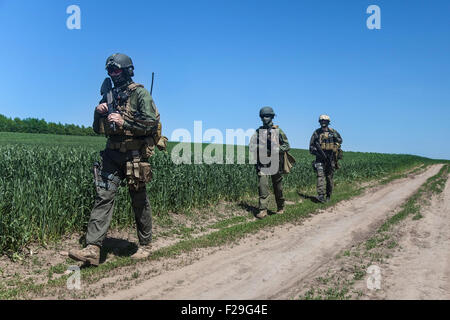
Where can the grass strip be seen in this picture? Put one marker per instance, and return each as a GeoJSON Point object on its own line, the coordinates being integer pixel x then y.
{"type": "Point", "coordinates": [433, 186]}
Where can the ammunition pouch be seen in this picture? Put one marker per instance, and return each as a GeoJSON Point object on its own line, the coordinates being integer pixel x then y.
{"type": "Point", "coordinates": [148, 148]}
{"type": "Point", "coordinates": [138, 173]}
{"type": "Point", "coordinates": [329, 146]}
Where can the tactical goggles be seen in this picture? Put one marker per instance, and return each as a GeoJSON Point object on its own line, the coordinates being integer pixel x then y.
{"type": "Point", "coordinates": [114, 71]}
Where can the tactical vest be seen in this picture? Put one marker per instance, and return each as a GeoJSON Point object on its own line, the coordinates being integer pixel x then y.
{"type": "Point", "coordinates": [327, 140]}
{"type": "Point", "coordinates": [268, 144]}
{"type": "Point", "coordinates": [125, 140]}
{"type": "Point", "coordinates": [124, 108]}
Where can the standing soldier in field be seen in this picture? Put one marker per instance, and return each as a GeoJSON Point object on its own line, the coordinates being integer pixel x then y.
{"type": "Point", "coordinates": [268, 145]}
{"type": "Point", "coordinates": [133, 130]}
{"type": "Point", "coordinates": [325, 144]}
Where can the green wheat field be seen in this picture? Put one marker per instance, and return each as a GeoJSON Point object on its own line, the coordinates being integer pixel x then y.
{"type": "Point", "coordinates": [47, 189]}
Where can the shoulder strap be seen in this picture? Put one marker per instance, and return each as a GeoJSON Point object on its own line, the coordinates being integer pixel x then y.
{"type": "Point", "coordinates": [133, 86]}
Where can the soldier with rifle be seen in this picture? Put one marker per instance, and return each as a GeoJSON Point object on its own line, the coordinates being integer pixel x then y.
{"type": "Point", "coordinates": [128, 117]}
{"type": "Point", "coordinates": [269, 147]}
{"type": "Point", "coordinates": [325, 144]}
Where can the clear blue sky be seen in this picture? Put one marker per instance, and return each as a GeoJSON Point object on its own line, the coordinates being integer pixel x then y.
{"type": "Point", "coordinates": [386, 90]}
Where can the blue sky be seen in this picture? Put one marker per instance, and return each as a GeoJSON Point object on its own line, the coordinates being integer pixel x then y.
{"type": "Point", "coordinates": [220, 61]}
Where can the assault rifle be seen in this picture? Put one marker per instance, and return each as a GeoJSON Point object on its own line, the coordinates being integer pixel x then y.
{"type": "Point", "coordinates": [107, 92]}
{"type": "Point", "coordinates": [323, 154]}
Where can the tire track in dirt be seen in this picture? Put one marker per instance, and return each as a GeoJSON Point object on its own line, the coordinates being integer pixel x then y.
{"type": "Point", "coordinates": [421, 268]}
{"type": "Point", "coordinates": [272, 264]}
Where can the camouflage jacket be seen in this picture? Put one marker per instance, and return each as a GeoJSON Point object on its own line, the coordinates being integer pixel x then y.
{"type": "Point", "coordinates": [282, 145]}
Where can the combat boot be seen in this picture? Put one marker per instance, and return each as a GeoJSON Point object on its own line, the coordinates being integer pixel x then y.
{"type": "Point", "coordinates": [321, 198]}
{"type": "Point", "coordinates": [328, 198]}
{"type": "Point", "coordinates": [90, 254]}
{"type": "Point", "coordinates": [262, 214]}
{"type": "Point", "coordinates": [280, 211]}
{"type": "Point", "coordinates": [143, 252]}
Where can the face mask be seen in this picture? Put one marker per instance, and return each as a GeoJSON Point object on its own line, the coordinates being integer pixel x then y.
{"type": "Point", "coordinates": [118, 76]}
{"type": "Point", "coordinates": [267, 121]}
{"type": "Point", "coordinates": [324, 124]}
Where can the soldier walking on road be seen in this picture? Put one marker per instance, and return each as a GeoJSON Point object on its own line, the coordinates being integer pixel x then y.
{"type": "Point", "coordinates": [325, 144]}
{"type": "Point", "coordinates": [268, 145]}
{"type": "Point", "coordinates": [133, 130]}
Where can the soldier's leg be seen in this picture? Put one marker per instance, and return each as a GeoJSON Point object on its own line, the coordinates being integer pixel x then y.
{"type": "Point", "coordinates": [143, 215]}
{"type": "Point", "coordinates": [107, 181]}
{"type": "Point", "coordinates": [263, 188]}
{"type": "Point", "coordinates": [320, 180]}
{"type": "Point", "coordinates": [277, 183]}
{"type": "Point", "coordinates": [330, 183]}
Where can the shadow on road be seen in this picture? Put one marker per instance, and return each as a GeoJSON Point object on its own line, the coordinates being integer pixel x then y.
{"type": "Point", "coordinates": [115, 246]}
{"type": "Point", "coordinates": [249, 208]}
{"type": "Point", "coordinates": [312, 198]}
{"type": "Point", "coordinates": [118, 247]}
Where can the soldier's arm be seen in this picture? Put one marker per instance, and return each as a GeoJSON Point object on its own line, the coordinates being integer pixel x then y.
{"type": "Point", "coordinates": [312, 148]}
{"type": "Point", "coordinates": [145, 118]}
{"type": "Point", "coordinates": [284, 143]}
{"type": "Point", "coordinates": [338, 137]}
{"type": "Point", "coordinates": [98, 125]}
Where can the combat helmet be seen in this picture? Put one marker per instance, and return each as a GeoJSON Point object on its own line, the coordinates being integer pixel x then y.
{"type": "Point", "coordinates": [119, 61]}
{"type": "Point", "coordinates": [324, 117]}
{"type": "Point", "coordinates": [266, 111]}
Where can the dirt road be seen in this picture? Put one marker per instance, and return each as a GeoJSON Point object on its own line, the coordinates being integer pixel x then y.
{"type": "Point", "coordinates": [272, 264]}
{"type": "Point", "coordinates": [421, 269]}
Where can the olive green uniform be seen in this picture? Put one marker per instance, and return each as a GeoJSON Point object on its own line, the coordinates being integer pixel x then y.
{"type": "Point", "coordinates": [125, 157]}
{"type": "Point", "coordinates": [329, 141]}
{"type": "Point", "coordinates": [263, 178]}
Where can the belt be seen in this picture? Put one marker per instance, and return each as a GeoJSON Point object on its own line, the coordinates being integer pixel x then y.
{"type": "Point", "coordinates": [124, 146]}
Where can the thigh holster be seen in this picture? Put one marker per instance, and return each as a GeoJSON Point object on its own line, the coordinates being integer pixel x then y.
{"type": "Point", "coordinates": [104, 180]}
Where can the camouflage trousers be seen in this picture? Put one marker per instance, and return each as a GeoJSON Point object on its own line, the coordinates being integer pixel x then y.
{"type": "Point", "coordinates": [324, 178]}
{"type": "Point", "coordinates": [108, 177]}
{"type": "Point", "coordinates": [264, 190]}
